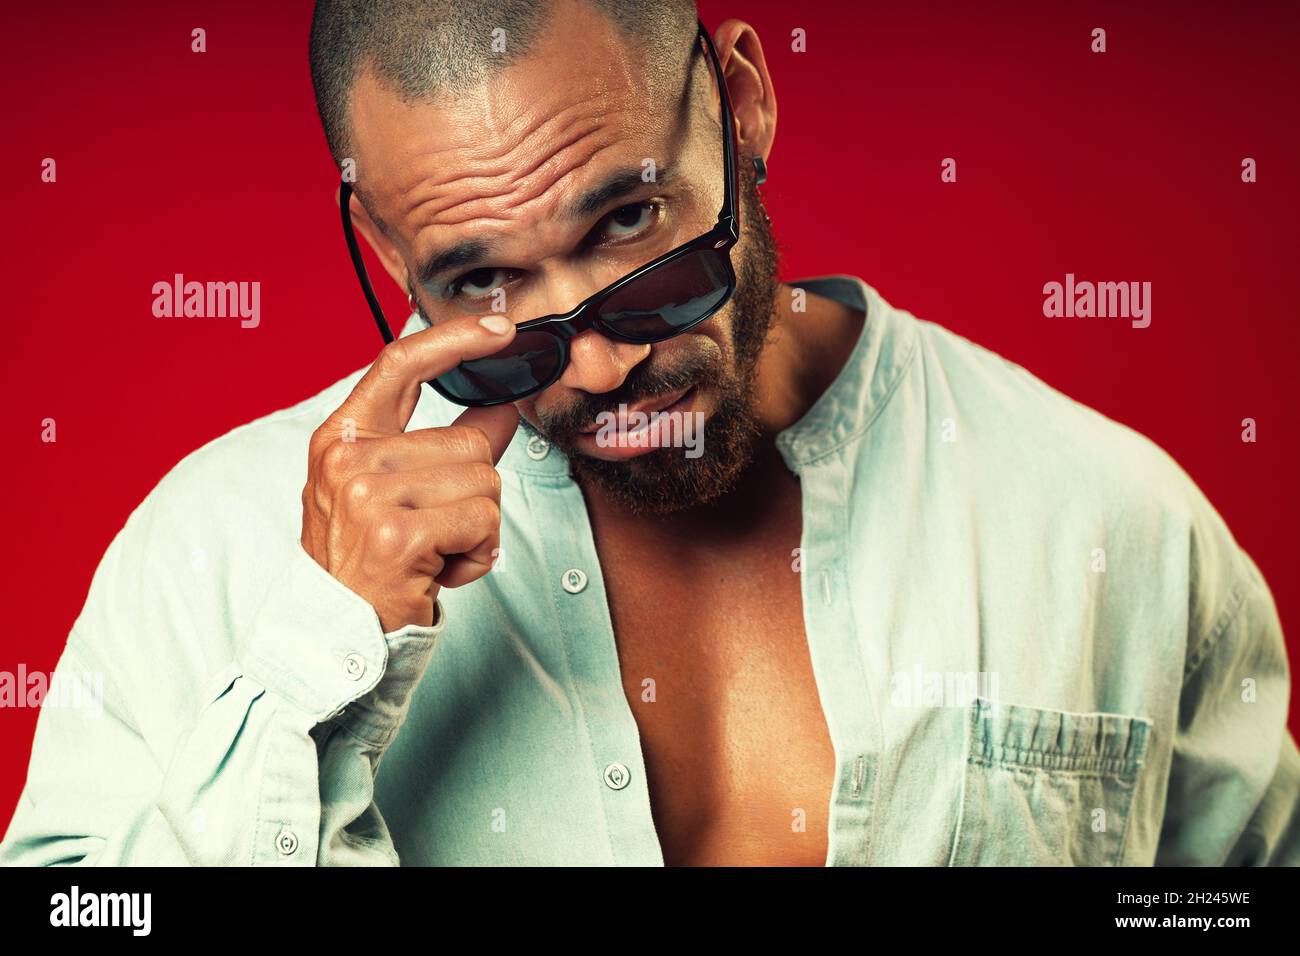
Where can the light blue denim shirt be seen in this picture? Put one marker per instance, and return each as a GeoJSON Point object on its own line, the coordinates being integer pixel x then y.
{"type": "Point", "coordinates": [1034, 640]}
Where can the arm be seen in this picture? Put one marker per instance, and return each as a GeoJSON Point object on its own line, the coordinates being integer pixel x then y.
{"type": "Point", "coordinates": [1234, 788]}
{"type": "Point", "coordinates": [239, 733]}
{"type": "Point", "coordinates": [273, 763]}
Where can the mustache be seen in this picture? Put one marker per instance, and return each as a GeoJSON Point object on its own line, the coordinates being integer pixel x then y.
{"type": "Point", "coordinates": [643, 382]}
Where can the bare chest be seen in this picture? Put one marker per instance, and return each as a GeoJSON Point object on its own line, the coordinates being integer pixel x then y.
{"type": "Point", "coordinates": [717, 672]}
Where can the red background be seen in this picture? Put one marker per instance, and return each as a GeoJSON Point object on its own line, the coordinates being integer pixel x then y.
{"type": "Point", "coordinates": [1117, 166]}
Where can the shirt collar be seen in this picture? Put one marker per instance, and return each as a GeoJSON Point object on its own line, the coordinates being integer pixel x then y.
{"type": "Point", "coordinates": [880, 357]}
{"type": "Point", "coordinates": [843, 413]}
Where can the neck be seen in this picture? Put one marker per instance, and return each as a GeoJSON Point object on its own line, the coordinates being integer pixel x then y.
{"type": "Point", "coordinates": [805, 353]}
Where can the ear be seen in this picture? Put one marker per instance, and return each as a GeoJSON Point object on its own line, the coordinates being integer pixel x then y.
{"type": "Point", "coordinates": [377, 239]}
{"type": "Point", "coordinates": [749, 86]}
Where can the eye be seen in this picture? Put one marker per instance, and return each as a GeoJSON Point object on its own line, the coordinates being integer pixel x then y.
{"type": "Point", "coordinates": [478, 282]}
{"type": "Point", "coordinates": [628, 221]}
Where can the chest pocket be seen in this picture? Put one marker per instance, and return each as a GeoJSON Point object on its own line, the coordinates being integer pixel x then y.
{"type": "Point", "coordinates": [1046, 787]}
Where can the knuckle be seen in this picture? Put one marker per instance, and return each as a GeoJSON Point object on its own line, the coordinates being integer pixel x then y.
{"type": "Point", "coordinates": [484, 512]}
{"type": "Point", "coordinates": [470, 440]}
{"type": "Point", "coordinates": [336, 456]}
{"type": "Point", "coordinates": [394, 356]}
{"type": "Point", "coordinates": [358, 490]}
{"type": "Point", "coordinates": [388, 537]}
{"type": "Point", "coordinates": [485, 474]}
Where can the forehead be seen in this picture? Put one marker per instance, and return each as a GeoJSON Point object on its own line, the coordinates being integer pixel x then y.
{"type": "Point", "coordinates": [579, 102]}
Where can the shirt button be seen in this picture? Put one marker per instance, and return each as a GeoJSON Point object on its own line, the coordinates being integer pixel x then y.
{"type": "Point", "coordinates": [616, 776]}
{"type": "Point", "coordinates": [573, 580]}
{"type": "Point", "coordinates": [538, 448]}
{"type": "Point", "coordinates": [354, 665]}
{"type": "Point", "coordinates": [286, 842]}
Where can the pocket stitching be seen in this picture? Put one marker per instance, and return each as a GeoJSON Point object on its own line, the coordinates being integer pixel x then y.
{"type": "Point", "coordinates": [1128, 820]}
{"type": "Point", "coordinates": [1126, 776]}
{"type": "Point", "coordinates": [961, 803]}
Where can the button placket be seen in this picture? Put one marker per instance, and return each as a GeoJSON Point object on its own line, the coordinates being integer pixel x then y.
{"type": "Point", "coordinates": [831, 638]}
{"type": "Point", "coordinates": [612, 743]}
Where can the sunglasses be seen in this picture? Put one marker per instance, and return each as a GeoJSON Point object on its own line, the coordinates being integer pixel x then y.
{"type": "Point", "coordinates": [664, 298]}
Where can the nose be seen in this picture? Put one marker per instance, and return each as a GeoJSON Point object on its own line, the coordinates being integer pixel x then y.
{"type": "Point", "coordinates": [598, 364]}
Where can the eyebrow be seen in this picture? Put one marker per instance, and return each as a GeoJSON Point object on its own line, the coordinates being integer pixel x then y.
{"type": "Point", "coordinates": [468, 252]}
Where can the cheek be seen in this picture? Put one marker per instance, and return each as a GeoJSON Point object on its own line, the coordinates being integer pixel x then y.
{"type": "Point", "coordinates": [720, 327]}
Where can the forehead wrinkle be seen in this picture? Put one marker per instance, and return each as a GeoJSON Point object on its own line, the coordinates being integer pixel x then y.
{"type": "Point", "coordinates": [493, 163]}
{"type": "Point", "coordinates": [580, 142]}
{"type": "Point", "coordinates": [483, 221]}
{"type": "Point", "coordinates": [490, 242]}
{"type": "Point", "coordinates": [585, 205]}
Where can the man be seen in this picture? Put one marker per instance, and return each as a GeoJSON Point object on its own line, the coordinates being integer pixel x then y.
{"type": "Point", "coordinates": [903, 604]}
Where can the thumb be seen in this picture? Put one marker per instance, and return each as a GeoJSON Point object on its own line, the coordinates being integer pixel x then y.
{"type": "Point", "coordinates": [498, 422]}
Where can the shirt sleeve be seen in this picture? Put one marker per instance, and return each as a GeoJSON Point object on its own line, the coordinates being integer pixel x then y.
{"type": "Point", "coordinates": [1234, 789]}
{"type": "Point", "coordinates": [272, 762]}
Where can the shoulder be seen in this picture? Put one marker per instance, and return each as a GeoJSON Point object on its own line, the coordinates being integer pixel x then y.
{"type": "Point", "coordinates": [1040, 461]}
{"type": "Point", "coordinates": [193, 560]}
{"type": "Point", "coordinates": [1021, 431]}
{"type": "Point", "coordinates": [238, 482]}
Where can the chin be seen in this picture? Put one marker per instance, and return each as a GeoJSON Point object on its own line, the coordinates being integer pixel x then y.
{"type": "Point", "coordinates": [664, 480]}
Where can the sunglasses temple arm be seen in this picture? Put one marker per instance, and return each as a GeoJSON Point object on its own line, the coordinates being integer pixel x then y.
{"type": "Point", "coordinates": [728, 134]}
{"type": "Point", "coordinates": [345, 196]}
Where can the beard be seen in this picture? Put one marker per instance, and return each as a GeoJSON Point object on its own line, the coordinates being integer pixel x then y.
{"type": "Point", "coordinates": [665, 480]}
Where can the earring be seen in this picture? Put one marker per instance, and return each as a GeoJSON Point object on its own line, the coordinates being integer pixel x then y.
{"type": "Point", "coordinates": [410, 300]}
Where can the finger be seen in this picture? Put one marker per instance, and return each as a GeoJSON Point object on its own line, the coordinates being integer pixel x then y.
{"type": "Point", "coordinates": [422, 449]}
{"type": "Point", "coordinates": [385, 397]}
{"type": "Point", "coordinates": [498, 422]}
{"type": "Point", "coordinates": [419, 489]}
{"type": "Point", "coordinates": [460, 570]}
{"type": "Point", "coordinates": [467, 527]}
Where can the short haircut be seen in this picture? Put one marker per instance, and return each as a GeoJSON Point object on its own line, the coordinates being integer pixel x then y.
{"type": "Point", "coordinates": [425, 48]}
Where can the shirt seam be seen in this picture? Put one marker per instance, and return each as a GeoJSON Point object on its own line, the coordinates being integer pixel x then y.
{"type": "Point", "coordinates": [1236, 601]}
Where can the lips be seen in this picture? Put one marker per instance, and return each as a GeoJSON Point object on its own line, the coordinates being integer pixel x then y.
{"type": "Point", "coordinates": [648, 406]}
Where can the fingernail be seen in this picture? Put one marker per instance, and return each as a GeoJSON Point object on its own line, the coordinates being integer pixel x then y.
{"type": "Point", "coordinates": [497, 324]}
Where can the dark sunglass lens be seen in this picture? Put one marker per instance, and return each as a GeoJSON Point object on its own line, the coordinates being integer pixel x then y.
{"type": "Point", "coordinates": [669, 299]}
{"type": "Point", "coordinates": [530, 360]}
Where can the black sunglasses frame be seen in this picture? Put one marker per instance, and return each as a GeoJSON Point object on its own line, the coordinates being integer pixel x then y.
{"type": "Point", "coordinates": [585, 315]}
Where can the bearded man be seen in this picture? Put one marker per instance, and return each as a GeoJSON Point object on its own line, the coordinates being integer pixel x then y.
{"type": "Point", "coordinates": [902, 604]}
